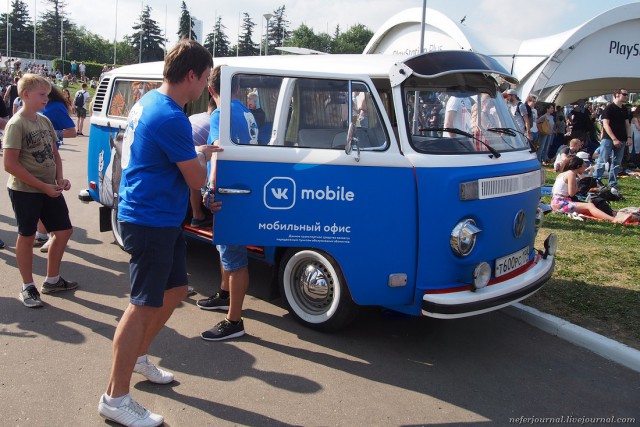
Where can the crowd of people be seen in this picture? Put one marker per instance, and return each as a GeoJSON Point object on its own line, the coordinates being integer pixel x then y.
{"type": "Point", "coordinates": [171, 165]}
{"type": "Point", "coordinates": [571, 138]}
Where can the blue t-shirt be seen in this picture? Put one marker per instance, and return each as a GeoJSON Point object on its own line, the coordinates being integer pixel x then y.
{"type": "Point", "coordinates": [153, 191]}
{"type": "Point", "coordinates": [244, 129]}
{"type": "Point", "coordinates": [58, 114]}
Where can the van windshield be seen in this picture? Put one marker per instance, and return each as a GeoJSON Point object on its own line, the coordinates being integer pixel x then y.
{"type": "Point", "coordinates": [460, 122]}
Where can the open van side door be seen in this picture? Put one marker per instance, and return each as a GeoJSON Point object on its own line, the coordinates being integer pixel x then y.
{"type": "Point", "coordinates": [299, 188]}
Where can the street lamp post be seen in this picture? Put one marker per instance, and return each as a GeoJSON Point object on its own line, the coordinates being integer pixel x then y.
{"type": "Point", "coordinates": [267, 16]}
{"type": "Point", "coordinates": [9, 25]}
{"type": "Point", "coordinates": [115, 37]}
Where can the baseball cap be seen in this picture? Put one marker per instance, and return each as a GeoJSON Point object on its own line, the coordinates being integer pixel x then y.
{"type": "Point", "coordinates": [511, 92]}
{"type": "Point", "coordinates": [583, 155]}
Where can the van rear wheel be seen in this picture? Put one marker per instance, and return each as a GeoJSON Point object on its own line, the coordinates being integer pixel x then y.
{"type": "Point", "coordinates": [115, 227]}
{"type": "Point", "coordinates": [315, 290]}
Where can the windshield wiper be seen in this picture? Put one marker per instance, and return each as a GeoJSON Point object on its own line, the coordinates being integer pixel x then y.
{"type": "Point", "coordinates": [510, 131]}
{"type": "Point", "coordinates": [507, 131]}
{"type": "Point", "coordinates": [463, 133]}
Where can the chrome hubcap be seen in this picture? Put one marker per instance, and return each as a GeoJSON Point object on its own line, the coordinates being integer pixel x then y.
{"type": "Point", "coordinates": [313, 287]}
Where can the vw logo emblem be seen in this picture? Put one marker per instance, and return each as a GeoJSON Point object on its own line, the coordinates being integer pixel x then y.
{"type": "Point", "coordinates": [519, 223]}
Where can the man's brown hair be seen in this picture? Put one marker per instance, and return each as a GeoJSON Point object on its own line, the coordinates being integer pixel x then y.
{"type": "Point", "coordinates": [214, 79]}
{"type": "Point", "coordinates": [185, 56]}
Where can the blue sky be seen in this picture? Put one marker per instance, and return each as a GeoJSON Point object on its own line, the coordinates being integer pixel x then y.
{"type": "Point", "coordinates": [518, 19]}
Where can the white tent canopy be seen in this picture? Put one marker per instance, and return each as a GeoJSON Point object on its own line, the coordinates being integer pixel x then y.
{"type": "Point", "coordinates": [590, 60]}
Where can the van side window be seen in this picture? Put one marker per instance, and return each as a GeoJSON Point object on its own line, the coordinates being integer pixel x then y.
{"type": "Point", "coordinates": [126, 93]}
{"type": "Point", "coordinates": [259, 95]}
{"type": "Point", "coordinates": [320, 115]}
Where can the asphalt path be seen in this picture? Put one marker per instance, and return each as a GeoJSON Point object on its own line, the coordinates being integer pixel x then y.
{"type": "Point", "coordinates": [385, 370]}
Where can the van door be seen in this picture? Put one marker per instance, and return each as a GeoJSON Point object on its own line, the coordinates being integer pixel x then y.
{"type": "Point", "coordinates": [297, 187]}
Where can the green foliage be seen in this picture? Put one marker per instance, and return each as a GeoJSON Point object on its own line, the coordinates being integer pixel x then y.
{"type": "Point", "coordinates": [304, 36]}
{"type": "Point", "coordinates": [596, 283]}
{"type": "Point", "coordinates": [246, 46]}
{"type": "Point", "coordinates": [48, 30]}
{"type": "Point", "coordinates": [21, 34]}
{"type": "Point", "coordinates": [185, 29]}
{"type": "Point", "coordinates": [221, 40]}
{"type": "Point", "coordinates": [354, 40]}
{"type": "Point", "coordinates": [93, 69]}
{"type": "Point", "coordinates": [147, 40]}
{"type": "Point", "coordinates": [278, 30]}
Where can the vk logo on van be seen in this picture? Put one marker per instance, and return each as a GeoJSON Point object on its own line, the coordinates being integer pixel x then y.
{"type": "Point", "coordinates": [280, 193]}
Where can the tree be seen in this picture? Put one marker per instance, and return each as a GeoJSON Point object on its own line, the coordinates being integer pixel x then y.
{"type": "Point", "coordinates": [246, 46]}
{"type": "Point", "coordinates": [303, 36]}
{"type": "Point", "coordinates": [48, 30]}
{"type": "Point", "coordinates": [220, 39]}
{"type": "Point", "coordinates": [147, 40]}
{"type": "Point", "coordinates": [21, 34]}
{"type": "Point", "coordinates": [354, 40]}
{"type": "Point", "coordinates": [185, 29]}
{"type": "Point", "coordinates": [278, 29]}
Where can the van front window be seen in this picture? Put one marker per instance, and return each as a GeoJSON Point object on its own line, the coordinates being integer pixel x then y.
{"type": "Point", "coordinates": [460, 122]}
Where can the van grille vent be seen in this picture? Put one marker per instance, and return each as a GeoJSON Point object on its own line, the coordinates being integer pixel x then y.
{"type": "Point", "coordinates": [101, 93]}
{"type": "Point", "coordinates": [507, 185]}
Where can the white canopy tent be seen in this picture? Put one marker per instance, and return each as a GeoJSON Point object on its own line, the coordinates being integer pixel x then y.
{"type": "Point", "coordinates": [590, 60]}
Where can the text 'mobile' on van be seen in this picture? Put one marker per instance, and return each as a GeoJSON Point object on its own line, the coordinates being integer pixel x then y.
{"type": "Point", "coordinates": [369, 180]}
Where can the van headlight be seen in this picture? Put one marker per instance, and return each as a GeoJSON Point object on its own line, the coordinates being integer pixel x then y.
{"type": "Point", "coordinates": [463, 237]}
{"type": "Point", "coordinates": [481, 275]}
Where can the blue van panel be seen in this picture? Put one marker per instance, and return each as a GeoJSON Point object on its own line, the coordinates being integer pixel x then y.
{"type": "Point", "coordinates": [439, 267]}
{"type": "Point", "coordinates": [363, 216]}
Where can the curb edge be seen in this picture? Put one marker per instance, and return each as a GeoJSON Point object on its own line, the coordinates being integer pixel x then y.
{"type": "Point", "coordinates": [601, 345]}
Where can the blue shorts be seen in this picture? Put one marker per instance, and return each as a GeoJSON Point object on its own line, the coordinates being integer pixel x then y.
{"type": "Point", "coordinates": [233, 257]}
{"type": "Point", "coordinates": [158, 261]}
{"type": "Point", "coordinates": [30, 207]}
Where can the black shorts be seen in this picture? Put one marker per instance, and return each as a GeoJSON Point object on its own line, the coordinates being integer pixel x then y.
{"type": "Point", "coordinates": [158, 261]}
{"type": "Point", "coordinates": [30, 207]}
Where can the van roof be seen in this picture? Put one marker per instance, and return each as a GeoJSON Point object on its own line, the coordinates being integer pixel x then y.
{"type": "Point", "coordinates": [371, 65]}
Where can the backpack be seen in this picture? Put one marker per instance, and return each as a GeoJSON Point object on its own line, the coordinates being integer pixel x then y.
{"type": "Point", "coordinates": [79, 101]}
{"type": "Point", "coordinates": [529, 112]}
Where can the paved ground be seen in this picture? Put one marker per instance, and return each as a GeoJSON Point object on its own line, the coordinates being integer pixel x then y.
{"type": "Point", "coordinates": [383, 371]}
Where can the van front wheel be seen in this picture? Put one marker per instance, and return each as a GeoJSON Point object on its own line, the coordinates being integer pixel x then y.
{"type": "Point", "coordinates": [315, 290]}
{"type": "Point", "coordinates": [115, 228]}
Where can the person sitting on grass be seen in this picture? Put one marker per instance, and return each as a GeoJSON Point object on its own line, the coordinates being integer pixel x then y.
{"type": "Point", "coordinates": [575, 145]}
{"type": "Point", "coordinates": [566, 186]}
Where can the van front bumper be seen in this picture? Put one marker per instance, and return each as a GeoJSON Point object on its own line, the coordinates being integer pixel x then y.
{"type": "Point", "coordinates": [494, 297]}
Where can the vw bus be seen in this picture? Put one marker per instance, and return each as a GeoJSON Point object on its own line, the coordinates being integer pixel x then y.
{"type": "Point", "coordinates": [374, 180]}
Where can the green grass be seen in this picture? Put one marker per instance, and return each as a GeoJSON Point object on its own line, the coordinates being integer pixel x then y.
{"type": "Point", "coordinates": [596, 283]}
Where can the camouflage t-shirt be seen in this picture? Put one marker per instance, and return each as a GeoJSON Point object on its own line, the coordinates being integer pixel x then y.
{"type": "Point", "coordinates": [34, 139]}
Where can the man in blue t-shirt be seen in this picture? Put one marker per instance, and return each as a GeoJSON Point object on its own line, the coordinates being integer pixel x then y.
{"type": "Point", "coordinates": [159, 165]}
{"type": "Point", "coordinates": [233, 258]}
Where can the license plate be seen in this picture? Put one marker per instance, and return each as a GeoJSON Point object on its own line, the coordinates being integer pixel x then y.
{"type": "Point", "coordinates": [511, 262]}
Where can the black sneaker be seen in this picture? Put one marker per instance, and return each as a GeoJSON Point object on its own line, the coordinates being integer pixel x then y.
{"type": "Point", "coordinates": [1, 244]}
{"type": "Point", "coordinates": [60, 285]}
{"type": "Point", "coordinates": [214, 302]}
{"type": "Point", "coordinates": [201, 223]}
{"type": "Point", "coordinates": [30, 297]}
{"type": "Point", "coordinates": [224, 330]}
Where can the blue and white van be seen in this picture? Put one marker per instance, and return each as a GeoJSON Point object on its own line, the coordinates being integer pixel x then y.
{"type": "Point", "coordinates": [375, 180]}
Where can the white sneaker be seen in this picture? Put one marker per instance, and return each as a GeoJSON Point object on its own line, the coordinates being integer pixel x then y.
{"type": "Point", "coordinates": [130, 413]}
{"type": "Point", "coordinates": [153, 373]}
{"type": "Point", "coordinates": [45, 248]}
